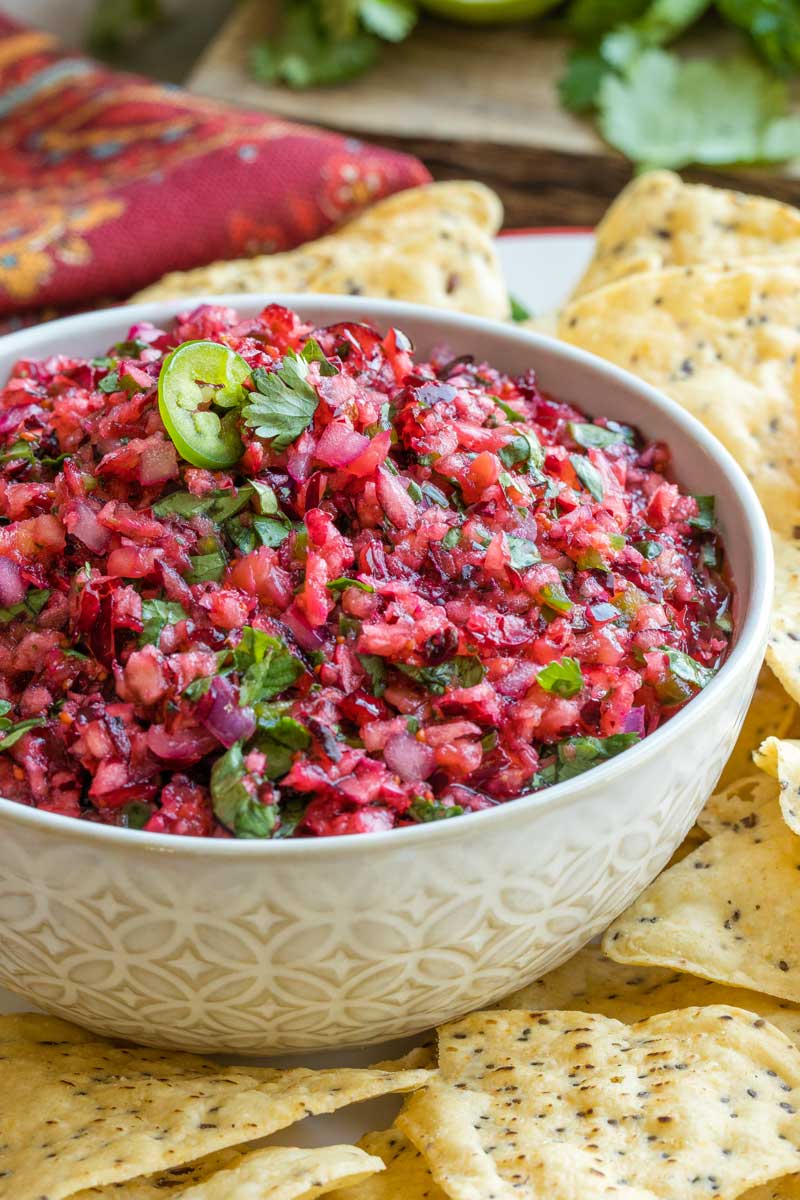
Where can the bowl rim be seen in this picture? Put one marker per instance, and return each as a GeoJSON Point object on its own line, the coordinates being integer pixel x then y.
{"type": "Point", "coordinates": [751, 633]}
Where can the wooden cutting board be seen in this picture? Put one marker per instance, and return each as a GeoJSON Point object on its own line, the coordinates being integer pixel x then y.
{"type": "Point", "coordinates": [478, 103]}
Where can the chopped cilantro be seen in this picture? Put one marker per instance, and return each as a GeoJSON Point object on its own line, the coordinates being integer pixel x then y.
{"type": "Point", "coordinates": [706, 515]}
{"type": "Point", "coordinates": [271, 532]}
{"type": "Point", "coordinates": [464, 671]}
{"type": "Point", "coordinates": [233, 802]}
{"type": "Point", "coordinates": [451, 538]}
{"type": "Point", "coordinates": [589, 475]}
{"type": "Point", "coordinates": [31, 606]}
{"type": "Point", "coordinates": [648, 548]}
{"type": "Point", "coordinates": [312, 352]}
{"type": "Point", "coordinates": [554, 596]}
{"type": "Point", "coordinates": [156, 614]}
{"type": "Point", "coordinates": [510, 412]}
{"type": "Point", "coordinates": [524, 553]}
{"type": "Point", "coordinates": [588, 435]}
{"type": "Point", "coordinates": [110, 383]}
{"type": "Point", "coordinates": [578, 754]}
{"type": "Point", "coordinates": [206, 568]}
{"type": "Point", "coordinates": [13, 733]}
{"type": "Point", "coordinates": [375, 667]}
{"type": "Point", "coordinates": [525, 448]}
{"type": "Point", "coordinates": [265, 665]}
{"type": "Point", "coordinates": [343, 582]}
{"type": "Point", "coordinates": [280, 737]}
{"type": "Point", "coordinates": [518, 310]}
{"type": "Point", "coordinates": [684, 667]}
{"type": "Point", "coordinates": [433, 810]}
{"type": "Point", "coordinates": [563, 677]}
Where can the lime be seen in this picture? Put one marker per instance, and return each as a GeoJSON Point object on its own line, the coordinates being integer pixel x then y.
{"type": "Point", "coordinates": [487, 12]}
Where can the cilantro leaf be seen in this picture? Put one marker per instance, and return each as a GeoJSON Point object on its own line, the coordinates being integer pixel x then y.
{"type": "Point", "coordinates": [218, 506]}
{"type": "Point", "coordinates": [562, 677]}
{"type": "Point", "coordinates": [266, 667]}
{"type": "Point", "coordinates": [590, 19]}
{"type": "Point", "coordinates": [518, 310]}
{"type": "Point", "coordinates": [463, 671]}
{"type": "Point", "coordinates": [304, 53]}
{"type": "Point", "coordinates": [284, 404]}
{"type": "Point", "coordinates": [524, 553]}
{"type": "Point", "coordinates": [589, 476]}
{"type": "Point", "coordinates": [511, 413]}
{"type": "Point", "coordinates": [233, 802]}
{"type": "Point", "coordinates": [648, 548]}
{"type": "Point", "coordinates": [706, 513]}
{"type": "Point", "coordinates": [588, 435]}
{"type": "Point", "coordinates": [669, 113]}
{"type": "Point", "coordinates": [552, 595]}
{"type": "Point", "coordinates": [578, 754]}
{"type": "Point", "coordinates": [31, 606]}
{"type": "Point", "coordinates": [433, 810]}
{"type": "Point", "coordinates": [525, 448]}
{"type": "Point", "coordinates": [684, 667]}
{"type": "Point", "coordinates": [271, 532]}
{"type": "Point", "coordinates": [280, 737]}
{"type": "Point", "coordinates": [375, 667]}
{"type": "Point", "coordinates": [312, 352]}
{"type": "Point", "coordinates": [156, 614]}
{"type": "Point", "coordinates": [206, 568]}
{"type": "Point", "coordinates": [13, 734]}
{"type": "Point", "coordinates": [579, 86]}
{"type": "Point", "coordinates": [344, 582]}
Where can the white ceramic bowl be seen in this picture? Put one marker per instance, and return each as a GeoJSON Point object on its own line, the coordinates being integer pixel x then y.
{"type": "Point", "coordinates": [274, 946]}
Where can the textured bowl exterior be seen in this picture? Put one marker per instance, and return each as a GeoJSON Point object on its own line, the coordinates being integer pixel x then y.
{"type": "Point", "coordinates": [259, 948]}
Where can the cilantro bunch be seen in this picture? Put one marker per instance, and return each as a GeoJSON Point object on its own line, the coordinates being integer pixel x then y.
{"type": "Point", "coordinates": [659, 109]}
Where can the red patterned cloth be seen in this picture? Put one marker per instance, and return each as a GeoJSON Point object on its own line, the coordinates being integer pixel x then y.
{"type": "Point", "coordinates": [108, 180]}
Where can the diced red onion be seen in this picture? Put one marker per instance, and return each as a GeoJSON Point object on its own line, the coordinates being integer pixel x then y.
{"type": "Point", "coordinates": [81, 521]}
{"type": "Point", "coordinates": [158, 463]}
{"type": "Point", "coordinates": [219, 713]}
{"type": "Point", "coordinates": [408, 758]}
{"type": "Point", "coordinates": [12, 585]}
{"type": "Point", "coordinates": [308, 638]}
{"type": "Point", "coordinates": [634, 722]}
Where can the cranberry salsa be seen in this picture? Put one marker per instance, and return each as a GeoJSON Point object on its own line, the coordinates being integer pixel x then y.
{"type": "Point", "coordinates": [264, 581]}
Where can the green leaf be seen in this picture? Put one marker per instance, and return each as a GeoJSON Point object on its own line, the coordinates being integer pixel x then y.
{"type": "Point", "coordinates": [596, 436]}
{"type": "Point", "coordinates": [463, 671]}
{"type": "Point", "coordinates": [135, 815]}
{"type": "Point", "coordinates": [234, 804]}
{"type": "Point", "coordinates": [218, 506]}
{"type": "Point", "coordinates": [684, 667]}
{"type": "Point", "coordinates": [266, 666]}
{"type": "Point", "coordinates": [451, 538]}
{"type": "Point", "coordinates": [525, 448]}
{"type": "Point", "coordinates": [266, 500]}
{"type": "Point", "coordinates": [156, 614]}
{"type": "Point", "coordinates": [31, 606]}
{"type": "Point", "coordinates": [197, 688]}
{"type": "Point", "coordinates": [578, 754]}
{"type": "Point", "coordinates": [554, 596]}
{"type": "Point", "coordinates": [706, 516]}
{"type": "Point", "coordinates": [284, 404]}
{"type": "Point", "coordinates": [306, 54]}
{"type": "Point", "coordinates": [110, 383]}
{"type": "Point", "coordinates": [424, 811]}
{"type": "Point", "coordinates": [18, 450]}
{"type": "Point", "coordinates": [524, 553]}
{"type": "Point", "coordinates": [391, 20]}
{"type": "Point", "coordinates": [510, 412]}
{"type": "Point", "coordinates": [589, 476]}
{"type": "Point", "coordinates": [562, 677]}
{"type": "Point", "coordinates": [660, 23]}
{"type": "Point", "coordinates": [375, 667]}
{"type": "Point", "coordinates": [130, 349]}
{"type": "Point", "coordinates": [669, 113]}
{"type": "Point", "coordinates": [518, 310]}
{"type": "Point", "coordinates": [206, 568]}
{"type": "Point", "coordinates": [431, 492]}
{"type": "Point", "coordinates": [774, 26]}
{"type": "Point", "coordinates": [271, 532]}
{"type": "Point", "coordinates": [280, 737]}
{"type": "Point", "coordinates": [15, 732]}
{"type": "Point", "coordinates": [312, 352]}
{"type": "Point", "coordinates": [649, 549]}
{"type": "Point", "coordinates": [579, 86]}
{"type": "Point", "coordinates": [343, 582]}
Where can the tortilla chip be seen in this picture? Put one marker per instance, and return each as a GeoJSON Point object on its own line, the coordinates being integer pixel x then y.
{"type": "Point", "coordinates": [771, 711]}
{"type": "Point", "coordinates": [738, 805]}
{"type": "Point", "coordinates": [729, 912]}
{"type": "Point", "coordinates": [114, 1113]}
{"type": "Point", "coordinates": [431, 245]}
{"type": "Point", "coordinates": [787, 1188]}
{"type": "Point", "coordinates": [421, 1057]}
{"type": "Point", "coordinates": [28, 1026]}
{"type": "Point", "coordinates": [694, 838]}
{"type": "Point", "coordinates": [783, 647]}
{"type": "Point", "coordinates": [276, 1173]}
{"type": "Point", "coordinates": [726, 346]}
{"type": "Point", "coordinates": [573, 1105]}
{"type": "Point", "coordinates": [658, 221]}
{"type": "Point", "coordinates": [407, 1175]}
{"type": "Point", "coordinates": [592, 982]}
{"type": "Point", "coordinates": [780, 758]}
